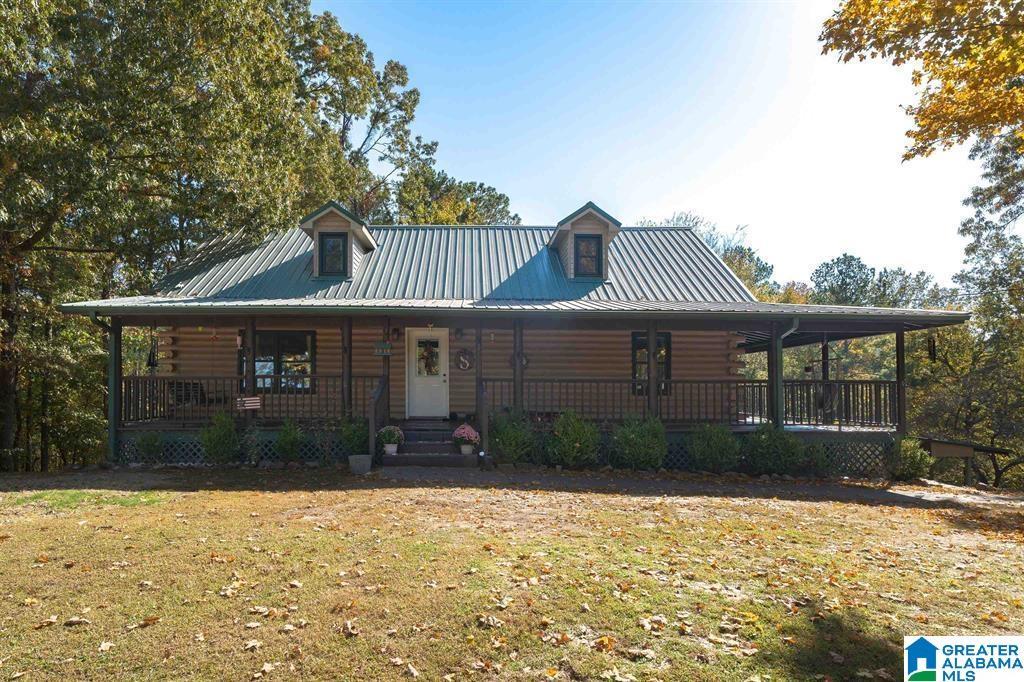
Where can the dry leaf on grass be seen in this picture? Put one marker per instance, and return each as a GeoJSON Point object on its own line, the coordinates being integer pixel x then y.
{"type": "Point", "coordinates": [252, 645]}
{"type": "Point", "coordinates": [349, 629]}
{"type": "Point", "coordinates": [76, 620]}
{"type": "Point", "coordinates": [52, 620]}
{"type": "Point", "coordinates": [105, 647]}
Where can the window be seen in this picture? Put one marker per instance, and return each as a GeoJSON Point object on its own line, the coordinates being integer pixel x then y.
{"type": "Point", "coordinates": [285, 360]}
{"type": "Point", "coordinates": [663, 357]}
{"type": "Point", "coordinates": [588, 252]}
{"type": "Point", "coordinates": [333, 253]}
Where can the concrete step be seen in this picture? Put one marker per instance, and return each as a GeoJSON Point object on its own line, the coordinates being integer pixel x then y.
{"type": "Point", "coordinates": [434, 459]}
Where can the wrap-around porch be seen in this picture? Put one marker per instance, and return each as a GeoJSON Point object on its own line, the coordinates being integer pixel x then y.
{"type": "Point", "coordinates": [264, 370]}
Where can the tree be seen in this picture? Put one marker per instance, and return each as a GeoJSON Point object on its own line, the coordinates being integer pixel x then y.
{"type": "Point", "coordinates": [845, 280]}
{"type": "Point", "coordinates": [427, 196]}
{"type": "Point", "coordinates": [966, 59]}
{"type": "Point", "coordinates": [131, 132]}
{"type": "Point", "coordinates": [731, 247]}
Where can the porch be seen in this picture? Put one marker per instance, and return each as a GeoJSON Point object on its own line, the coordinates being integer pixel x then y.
{"type": "Point", "coordinates": [386, 370]}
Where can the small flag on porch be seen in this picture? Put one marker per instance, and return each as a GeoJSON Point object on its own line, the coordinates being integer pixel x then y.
{"type": "Point", "coordinates": [250, 403]}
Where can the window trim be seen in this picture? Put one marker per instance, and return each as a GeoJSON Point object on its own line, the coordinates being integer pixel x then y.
{"type": "Point", "coordinates": [275, 386]}
{"type": "Point", "coordinates": [576, 255]}
{"type": "Point", "coordinates": [638, 339]}
{"type": "Point", "coordinates": [321, 271]}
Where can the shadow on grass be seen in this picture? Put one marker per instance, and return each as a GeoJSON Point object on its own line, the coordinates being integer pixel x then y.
{"type": "Point", "coordinates": [598, 482]}
{"type": "Point", "coordinates": [839, 646]}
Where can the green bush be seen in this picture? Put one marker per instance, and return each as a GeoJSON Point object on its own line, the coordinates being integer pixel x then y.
{"type": "Point", "coordinates": [815, 460]}
{"type": "Point", "coordinates": [354, 434]}
{"type": "Point", "coordinates": [150, 445]}
{"type": "Point", "coordinates": [713, 447]}
{"type": "Point", "coordinates": [912, 461]}
{"type": "Point", "coordinates": [769, 450]}
{"type": "Point", "coordinates": [512, 438]}
{"type": "Point", "coordinates": [639, 444]}
{"type": "Point", "coordinates": [574, 442]}
{"type": "Point", "coordinates": [289, 441]}
{"type": "Point", "coordinates": [220, 439]}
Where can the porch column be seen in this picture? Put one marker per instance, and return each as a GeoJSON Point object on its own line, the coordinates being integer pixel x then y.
{"type": "Point", "coordinates": [776, 406]}
{"type": "Point", "coordinates": [826, 388]}
{"type": "Point", "coordinates": [386, 371]}
{"type": "Point", "coordinates": [250, 363]}
{"type": "Point", "coordinates": [517, 365]}
{"type": "Point", "coordinates": [652, 369]}
{"type": "Point", "coordinates": [114, 383]}
{"type": "Point", "coordinates": [901, 384]}
{"type": "Point", "coordinates": [346, 366]}
{"type": "Point", "coordinates": [482, 417]}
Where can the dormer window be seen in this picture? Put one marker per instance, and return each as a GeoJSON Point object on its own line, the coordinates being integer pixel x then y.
{"type": "Point", "coordinates": [588, 250]}
{"type": "Point", "coordinates": [333, 249]}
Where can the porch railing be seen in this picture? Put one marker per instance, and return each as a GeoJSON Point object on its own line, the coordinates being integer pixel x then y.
{"type": "Point", "coordinates": [195, 399]}
{"type": "Point", "coordinates": [737, 403]}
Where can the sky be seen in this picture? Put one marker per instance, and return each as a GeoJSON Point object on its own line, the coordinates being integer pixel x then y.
{"type": "Point", "coordinates": [726, 109]}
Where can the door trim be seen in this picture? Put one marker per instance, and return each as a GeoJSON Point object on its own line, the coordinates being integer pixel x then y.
{"type": "Point", "coordinates": [410, 332]}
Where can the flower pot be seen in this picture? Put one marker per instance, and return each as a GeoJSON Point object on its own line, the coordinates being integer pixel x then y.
{"type": "Point", "coordinates": [390, 448]}
{"type": "Point", "coordinates": [360, 464]}
{"type": "Point", "coordinates": [466, 448]}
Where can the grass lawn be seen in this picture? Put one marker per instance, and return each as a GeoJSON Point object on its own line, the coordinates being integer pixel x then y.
{"type": "Point", "coordinates": [289, 574]}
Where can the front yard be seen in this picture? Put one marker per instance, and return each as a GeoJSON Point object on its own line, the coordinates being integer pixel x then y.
{"type": "Point", "coordinates": [287, 574]}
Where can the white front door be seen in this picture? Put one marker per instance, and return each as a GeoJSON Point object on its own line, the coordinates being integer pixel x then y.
{"type": "Point", "coordinates": [426, 362]}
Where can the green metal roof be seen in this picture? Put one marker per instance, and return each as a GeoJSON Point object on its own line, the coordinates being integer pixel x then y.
{"type": "Point", "coordinates": [500, 270]}
{"type": "Point", "coordinates": [589, 206]}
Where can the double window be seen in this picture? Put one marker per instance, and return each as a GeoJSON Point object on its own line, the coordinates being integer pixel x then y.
{"type": "Point", "coordinates": [333, 248]}
{"type": "Point", "coordinates": [588, 255]}
{"type": "Point", "coordinates": [285, 361]}
{"type": "Point", "coordinates": [662, 356]}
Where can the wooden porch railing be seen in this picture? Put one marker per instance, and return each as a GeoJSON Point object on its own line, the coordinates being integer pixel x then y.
{"type": "Point", "coordinates": [195, 399]}
{"type": "Point", "coordinates": [737, 403]}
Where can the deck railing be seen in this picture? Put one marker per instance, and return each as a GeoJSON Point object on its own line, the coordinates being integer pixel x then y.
{"type": "Point", "coordinates": [196, 399]}
{"type": "Point", "coordinates": [736, 403]}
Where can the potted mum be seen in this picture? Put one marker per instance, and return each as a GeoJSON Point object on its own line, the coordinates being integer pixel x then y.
{"type": "Point", "coordinates": [391, 436]}
{"type": "Point", "coordinates": [466, 438]}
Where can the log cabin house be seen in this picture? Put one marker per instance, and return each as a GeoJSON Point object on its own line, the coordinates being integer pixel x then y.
{"type": "Point", "coordinates": [427, 326]}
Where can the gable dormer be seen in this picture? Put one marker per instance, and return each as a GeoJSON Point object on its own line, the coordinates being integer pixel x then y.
{"type": "Point", "coordinates": [340, 240]}
{"type": "Point", "coordinates": [581, 240]}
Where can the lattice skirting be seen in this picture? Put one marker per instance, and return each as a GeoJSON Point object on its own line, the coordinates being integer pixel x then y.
{"type": "Point", "coordinates": [183, 448]}
{"type": "Point", "coordinates": [857, 454]}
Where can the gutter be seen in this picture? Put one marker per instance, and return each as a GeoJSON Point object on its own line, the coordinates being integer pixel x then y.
{"type": "Point", "coordinates": [98, 322]}
{"type": "Point", "coordinates": [792, 328]}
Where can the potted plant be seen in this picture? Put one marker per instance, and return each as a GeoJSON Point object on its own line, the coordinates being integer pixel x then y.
{"type": "Point", "coordinates": [391, 436]}
{"type": "Point", "coordinates": [466, 438]}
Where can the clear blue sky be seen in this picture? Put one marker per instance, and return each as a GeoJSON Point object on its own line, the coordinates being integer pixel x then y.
{"type": "Point", "coordinates": [726, 109]}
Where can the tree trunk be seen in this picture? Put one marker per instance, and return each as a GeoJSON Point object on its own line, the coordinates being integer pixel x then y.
{"type": "Point", "coordinates": [8, 366]}
{"type": "Point", "coordinates": [44, 400]}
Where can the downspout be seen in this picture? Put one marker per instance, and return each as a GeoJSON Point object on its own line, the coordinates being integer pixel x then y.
{"type": "Point", "coordinates": [94, 316]}
{"type": "Point", "coordinates": [793, 327]}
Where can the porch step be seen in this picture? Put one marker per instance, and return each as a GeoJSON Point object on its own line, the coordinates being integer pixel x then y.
{"type": "Point", "coordinates": [431, 459]}
{"type": "Point", "coordinates": [427, 446]}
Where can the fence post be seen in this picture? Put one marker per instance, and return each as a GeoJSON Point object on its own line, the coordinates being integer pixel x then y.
{"type": "Point", "coordinates": [652, 369]}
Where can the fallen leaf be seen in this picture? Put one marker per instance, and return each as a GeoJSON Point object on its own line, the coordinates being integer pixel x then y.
{"type": "Point", "coordinates": [106, 646]}
{"type": "Point", "coordinates": [252, 645]}
{"type": "Point", "coordinates": [411, 671]}
{"type": "Point", "coordinates": [76, 620]}
{"type": "Point", "coordinates": [52, 620]}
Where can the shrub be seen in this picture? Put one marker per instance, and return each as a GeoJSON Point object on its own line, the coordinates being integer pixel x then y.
{"type": "Point", "coordinates": [639, 444]}
{"type": "Point", "coordinates": [391, 435]}
{"type": "Point", "coordinates": [512, 438]}
{"type": "Point", "coordinates": [220, 439]}
{"type": "Point", "coordinates": [912, 461]}
{"type": "Point", "coordinates": [466, 435]}
{"type": "Point", "coordinates": [354, 435]}
{"type": "Point", "coordinates": [289, 441]}
{"type": "Point", "coordinates": [713, 447]}
{"type": "Point", "coordinates": [574, 441]}
{"type": "Point", "coordinates": [150, 445]}
{"type": "Point", "coordinates": [770, 450]}
{"type": "Point", "coordinates": [815, 460]}
{"type": "Point", "coordinates": [324, 434]}
{"type": "Point", "coordinates": [252, 438]}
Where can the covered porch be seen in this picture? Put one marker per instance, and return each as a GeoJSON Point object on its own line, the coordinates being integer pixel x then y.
{"type": "Point", "coordinates": [470, 367]}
